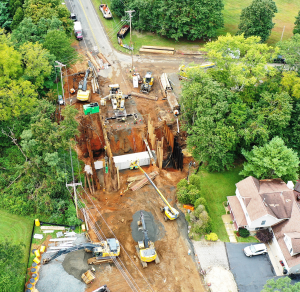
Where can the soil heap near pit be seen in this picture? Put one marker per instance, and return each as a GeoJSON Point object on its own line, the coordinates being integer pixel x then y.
{"type": "Point", "coordinates": [156, 230]}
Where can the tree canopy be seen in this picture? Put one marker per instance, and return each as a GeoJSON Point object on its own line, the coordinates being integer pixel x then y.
{"type": "Point", "coordinates": [282, 284]}
{"type": "Point", "coordinates": [273, 160]}
{"type": "Point", "coordinates": [256, 19]}
{"type": "Point", "coordinates": [297, 24]}
{"type": "Point", "coordinates": [290, 49]}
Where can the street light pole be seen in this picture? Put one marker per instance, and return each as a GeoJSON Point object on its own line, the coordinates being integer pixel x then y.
{"type": "Point", "coordinates": [130, 16]}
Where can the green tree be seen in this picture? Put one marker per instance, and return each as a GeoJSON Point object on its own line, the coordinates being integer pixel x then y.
{"type": "Point", "coordinates": [297, 24]}
{"type": "Point", "coordinates": [240, 61]}
{"type": "Point", "coordinates": [36, 62]}
{"type": "Point", "coordinates": [273, 160]}
{"type": "Point", "coordinates": [18, 17]}
{"type": "Point", "coordinates": [5, 17]}
{"type": "Point", "coordinates": [256, 19]}
{"type": "Point", "coordinates": [290, 49]}
{"type": "Point", "coordinates": [11, 266]}
{"type": "Point", "coordinates": [291, 83]}
{"type": "Point", "coordinates": [281, 284]}
{"type": "Point", "coordinates": [59, 45]}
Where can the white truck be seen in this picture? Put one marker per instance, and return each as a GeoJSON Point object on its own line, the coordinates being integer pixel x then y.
{"type": "Point", "coordinates": [78, 30]}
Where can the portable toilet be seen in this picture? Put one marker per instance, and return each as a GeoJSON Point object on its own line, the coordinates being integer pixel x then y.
{"type": "Point", "coordinates": [92, 108]}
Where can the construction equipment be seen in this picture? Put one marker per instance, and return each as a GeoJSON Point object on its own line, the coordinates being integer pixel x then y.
{"type": "Point", "coordinates": [83, 93]}
{"type": "Point", "coordinates": [89, 276]}
{"type": "Point", "coordinates": [102, 289]}
{"type": "Point", "coordinates": [103, 251]}
{"type": "Point", "coordinates": [105, 11]}
{"type": "Point", "coordinates": [170, 212]}
{"type": "Point", "coordinates": [117, 99]}
{"type": "Point", "coordinates": [146, 249]}
{"type": "Point", "coordinates": [147, 82]}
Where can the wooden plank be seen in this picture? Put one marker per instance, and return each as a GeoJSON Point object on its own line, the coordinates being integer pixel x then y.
{"type": "Point", "coordinates": [141, 95]}
{"type": "Point", "coordinates": [118, 177]}
{"type": "Point", "coordinates": [159, 48]}
{"type": "Point", "coordinates": [138, 177]}
{"type": "Point", "coordinates": [92, 59]}
{"type": "Point", "coordinates": [156, 51]}
{"type": "Point", "coordinates": [89, 183]}
{"type": "Point", "coordinates": [103, 59]}
{"type": "Point", "coordinates": [53, 228]}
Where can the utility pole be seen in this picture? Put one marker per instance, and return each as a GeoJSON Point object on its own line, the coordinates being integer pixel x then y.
{"type": "Point", "coordinates": [60, 65]}
{"type": "Point", "coordinates": [282, 33]}
{"type": "Point", "coordinates": [130, 16]}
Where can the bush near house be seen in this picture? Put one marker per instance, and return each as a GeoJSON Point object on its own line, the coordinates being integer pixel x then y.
{"type": "Point", "coordinates": [264, 235]}
{"type": "Point", "coordinates": [243, 232]}
{"type": "Point", "coordinates": [211, 237]}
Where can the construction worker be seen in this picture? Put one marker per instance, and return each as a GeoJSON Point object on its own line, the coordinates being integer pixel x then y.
{"type": "Point", "coordinates": [121, 194]}
{"type": "Point", "coordinates": [72, 90]}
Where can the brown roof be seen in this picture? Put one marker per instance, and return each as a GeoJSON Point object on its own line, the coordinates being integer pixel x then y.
{"type": "Point", "coordinates": [290, 226]}
{"type": "Point", "coordinates": [264, 197]}
{"type": "Point", "coordinates": [297, 186]}
{"type": "Point", "coordinates": [237, 211]}
{"type": "Point", "coordinates": [295, 238]}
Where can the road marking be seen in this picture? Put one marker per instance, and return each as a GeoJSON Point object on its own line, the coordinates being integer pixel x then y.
{"type": "Point", "coordinates": [90, 26]}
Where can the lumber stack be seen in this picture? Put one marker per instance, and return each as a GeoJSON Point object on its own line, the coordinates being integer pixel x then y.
{"type": "Point", "coordinates": [139, 177]}
{"type": "Point", "coordinates": [157, 50]}
{"type": "Point", "coordinates": [141, 95]}
{"type": "Point", "coordinates": [93, 60]}
{"type": "Point", "coordinates": [144, 181]}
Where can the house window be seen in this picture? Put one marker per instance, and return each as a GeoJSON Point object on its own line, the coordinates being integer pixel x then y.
{"type": "Point", "coordinates": [263, 222]}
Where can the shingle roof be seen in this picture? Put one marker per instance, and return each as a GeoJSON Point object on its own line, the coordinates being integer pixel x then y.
{"type": "Point", "coordinates": [295, 238]}
{"type": "Point", "coordinates": [237, 211]}
{"type": "Point", "coordinates": [264, 197]}
{"type": "Point", "coordinates": [290, 226]}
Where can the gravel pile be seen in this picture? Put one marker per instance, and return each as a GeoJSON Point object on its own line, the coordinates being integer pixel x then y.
{"type": "Point", "coordinates": [156, 230]}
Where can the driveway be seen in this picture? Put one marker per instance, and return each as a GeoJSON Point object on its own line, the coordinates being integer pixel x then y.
{"type": "Point", "coordinates": [250, 274]}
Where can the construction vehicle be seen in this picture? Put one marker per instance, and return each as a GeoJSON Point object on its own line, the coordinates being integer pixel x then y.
{"type": "Point", "coordinates": [105, 11]}
{"type": "Point", "coordinates": [147, 82]}
{"type": "Point", "coordinates": [123, 31]}
{"type": "Point", "coordinates": [170, 212]}
{"type": "Point", "coordinates": [117, 99]}
{"type": "Point", "coordinates": [89, 276]}
{"type": "Point", "coordinates": [145, 248]}
{"type": "Point", "coordinates": [103, 251]}
{"type": "Point", "coordinates": [102, 289]}
{"type": "Point", "coordinates": [183, 69]}
{"type": "Point", "coordinates": [83, 94]}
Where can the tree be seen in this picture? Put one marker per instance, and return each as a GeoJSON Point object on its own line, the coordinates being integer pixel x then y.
{"type": "Point", "coordinates": [256, 19]}
{"type": "Point", "coordinates": [290, 49]}
{"type": "Point", "coordinates": [241, 61]}
{"type": "Point", "coordinates": [291, 83]}
{"type": "Point", "coordinates": [36, 62]}
{"type": "Point", "coordinates": [12, 268]}
{"type": "Point", "coordinates": [297, 24]}
{"type": "Point", "coordinates": [18, 17]}
{"type": "Point", "coordinates": [264, 235]}
{"type": "Point", "coordinates": [281, 284]}
{"type": "Point", "coordinates": [273, 160]}
{"type": "Point", "coordinates": [59, 45]}
{"type": "Point", "coordinates": [5, 17]}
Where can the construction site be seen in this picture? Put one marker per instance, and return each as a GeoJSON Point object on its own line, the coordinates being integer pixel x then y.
{"type": "Point", "coordinates": [134, 154]}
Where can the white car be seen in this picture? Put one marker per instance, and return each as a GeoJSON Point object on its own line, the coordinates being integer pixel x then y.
{"type": "Point", "coordinates": [255, 249]}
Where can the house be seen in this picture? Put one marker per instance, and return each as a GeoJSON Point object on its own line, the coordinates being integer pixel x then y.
{"type": "Point", "coordinates": [270, 204]}
{"type": "Point", "coordinates": [260, 203]}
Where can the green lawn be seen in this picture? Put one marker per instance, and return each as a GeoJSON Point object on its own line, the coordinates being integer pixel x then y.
{"type": "Point", "coordinates": [215, 187]}
{"type": "Point", "coordinates": [250, 239]}
{"type": "Point", "coordinates": [287, 10]}
{"type": "Point", "coordinates": [16, 229]}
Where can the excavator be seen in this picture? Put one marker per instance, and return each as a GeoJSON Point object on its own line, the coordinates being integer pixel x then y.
{"type": "Point", "coordinates": [117, 99]}
{"type": "Point", "coordinates": [145, 248]}
{"type": "Point", "coordinates": [170, 212]}
{"type": "Point", "coordinates": [147, 82]}
{"type": "Point", "coordinates": [83, 93]}
{"type": "Point", "coordinates": [103, 251]}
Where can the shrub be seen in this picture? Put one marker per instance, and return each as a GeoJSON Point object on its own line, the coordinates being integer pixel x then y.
{"type": "Point", "coordinates": [264, 235]}
{"type": "Point", "coordinates": [211, 237]}
{"type": "Point", "coordinates": [228, 212]}
{"type": "Point", "coordinates": [204, 217]}
{"type": "Point", "coordinates": [200, 201]}
{"type": "Point", "coordinates": [194, 194]}
{"type": "Point", "coordinates": [195, 180]}
{"type": "Point", "coordinates": [193, 218]}
{"type": "Point", "coordinates": [243, 232]}
{"type": "Point", "coordinates": [183, 196]}
{"type": "Point", "coordinates": [182, 184]}
{"type": "Point", "coordinates": [199, 227]}
{"type": "Point", "coordinates": [199, 210]}
{"type": "Point", "coordinates": [231, 222]}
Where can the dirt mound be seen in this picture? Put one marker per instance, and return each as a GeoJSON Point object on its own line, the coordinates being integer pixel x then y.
{"type": "Point", "coordinates": [156, 230]}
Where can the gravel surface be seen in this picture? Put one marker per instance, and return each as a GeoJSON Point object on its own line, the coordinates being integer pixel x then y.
{"type": "Point", "coordinates": [211, 254]}
{"type": "Point", "coordinates": [221, 280]}
{"type": "Point", "coordinates": [156, 230]}
{"type": "Point", "coordinates": [53, 276]}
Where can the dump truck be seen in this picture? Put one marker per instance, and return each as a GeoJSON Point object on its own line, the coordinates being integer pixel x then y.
{"type": "Point", "coordinates": [123, 31]}
{"type": "Point", "coordinates": [78, 30]}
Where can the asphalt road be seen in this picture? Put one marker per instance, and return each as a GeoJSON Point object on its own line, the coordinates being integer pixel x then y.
{"type": "Point", "coordinates": [250, 274]}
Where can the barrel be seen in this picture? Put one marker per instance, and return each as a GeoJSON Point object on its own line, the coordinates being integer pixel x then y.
{"type": "Point", "coordinates": [37, 222]}
{"type": "Point", "coordinates": [37, 253]}
{"type": "Point", "coordinates": [36, 260]}
{"type": "Point", "coordinates": [34, 276]}
{"type": "Point", "coordinates": [29, 287]}
{"type": "Point", "coordinates": [32, 281]}
{"type": "Point", "coordinates": [33, 270]}
{"type": "Point", "coordinates": [28, 290]}
{"type": "Point", "coordinates": [34, 265]}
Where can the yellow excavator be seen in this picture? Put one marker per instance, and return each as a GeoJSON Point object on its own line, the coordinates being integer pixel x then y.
{"type": "Point", "coordinates": [147, 82]}
{"type": "Point", "coordinates": [170, 212]}
{"type": "Point", "coordinates": [103, 251]}
{"type": "Point", "coordinates": [145, 248]}
{"type": "Point", "coordinates": [83, 93]}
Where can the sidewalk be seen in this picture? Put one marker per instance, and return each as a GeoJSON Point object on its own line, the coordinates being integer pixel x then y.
{"type": "Point", "coordinates": [229, 227]}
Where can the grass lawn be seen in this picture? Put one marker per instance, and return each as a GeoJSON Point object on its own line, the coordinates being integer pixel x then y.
{"type": "Point", "coordinates": [16, 229]}
{"type": "Point", "coordinates": [287, 10]}
{"type": "Point", "coordinates": [215, 187]}
{"type": "Point", "coordinates": [250, 239]}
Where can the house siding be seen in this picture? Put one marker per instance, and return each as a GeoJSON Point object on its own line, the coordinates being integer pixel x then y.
{"type": "Point", "coordinates": [270, 221]}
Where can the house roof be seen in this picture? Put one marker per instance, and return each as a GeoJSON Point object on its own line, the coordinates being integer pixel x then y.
{"type": "Point", "coordinates": [295, 238]}
{"type": "Point", "coordinates": [290, 227]}
{"type": "Point", "coordinates": [264, 197]}
{"type": "Point", "coordinates": [297, 186]}
{"type": "Point", "coordinates": [237, 211]}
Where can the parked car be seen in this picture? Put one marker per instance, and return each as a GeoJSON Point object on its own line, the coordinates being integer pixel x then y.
{"type": "Point", "coordinates": [279, 59]}
{"type": "Point", "coordinates": [60, 100]}
{"type": "Point", "coordinates": [255, 249]}
{"type": "Point", "coordinates": [73, 17]}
